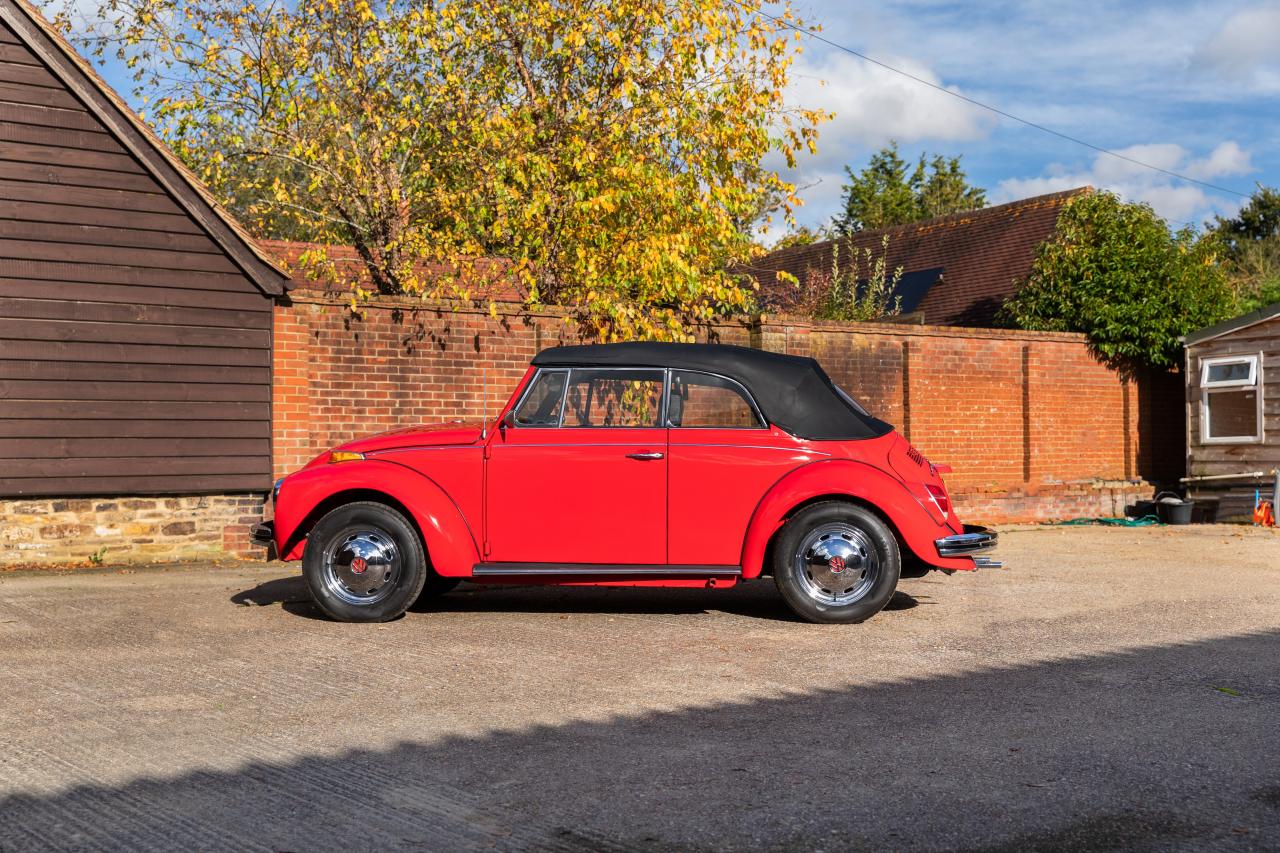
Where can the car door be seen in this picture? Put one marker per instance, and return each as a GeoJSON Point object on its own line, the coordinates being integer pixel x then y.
{"type": "Point", "coordinates": [579, 476]}
{"type": "Point", "coordinates": [723, 458]}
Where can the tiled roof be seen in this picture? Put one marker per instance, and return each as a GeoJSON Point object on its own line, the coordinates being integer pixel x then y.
{"type": "Point", "coordinates": [983, 254]}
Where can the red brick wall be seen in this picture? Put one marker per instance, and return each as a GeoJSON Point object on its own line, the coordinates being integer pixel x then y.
{"type": "Point", "coordinates": [1034, 426]}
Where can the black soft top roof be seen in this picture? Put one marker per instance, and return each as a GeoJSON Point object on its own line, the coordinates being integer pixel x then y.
{"type": "Point", "coordinates": [793, 392]}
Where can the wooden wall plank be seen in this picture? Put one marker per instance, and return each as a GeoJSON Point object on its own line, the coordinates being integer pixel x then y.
{"type": "Point", "coordinates": [89, 448]}
{"type": "Point", "coordinates": [57, 309]}
{"type": "Point", "coordinates": [17, 469]}
{"type": "Point", "coordinates": [56, 155]}
{"type": "Point", "coordinates": [71, 176]}
{"type": "Point", "coordinates": [118, 274]}
{"type": "Point", "coordinates": [40, 96]}
{"type": "Point", "coordinates": [81, 140]}
{"type": "Point", "coordinates": [100, 428]}
{"type": "Point", "coordinates": [129, 333]}
{"type": "Point", "coordinates": [29, 74]}
{"type": "Point", "coordinates": [88, 197]}
{"type": "Point", "coordinates": [99, 235]}
{"type": "Point", "coordinates": [71, 214]}
{"type": "Point", "coordinates": [38, 250]}
{"type": "Point", "coordinates": [97, 292]}
{"type": "Point", "coordinates": [17, 53]}
{"type": "Point", "coordinates": [18, 392]}
{"type": "Point", "coordinates": [48, 116]}
{"type": "Point", "coordinates": [126, 410]}
{"type": "Point", "coordinates": [95, 371]}
{"type": "Point", "coordinates": [22, 348]}
{"type": "Point", "coordinates": [134, 484]}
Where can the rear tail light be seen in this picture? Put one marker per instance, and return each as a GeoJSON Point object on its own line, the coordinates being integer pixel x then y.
{"type": "Point", "coordinates": [940, 498]}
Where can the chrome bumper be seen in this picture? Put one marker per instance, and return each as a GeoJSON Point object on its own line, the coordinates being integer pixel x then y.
{"type": "Point", "coordinates": [263, 534]}
{"type": "Point", "coordinates": [973, 540]}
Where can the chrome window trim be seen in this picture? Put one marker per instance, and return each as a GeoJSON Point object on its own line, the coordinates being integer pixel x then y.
{"type": "Point", "coordinates": [564, 398]}
{"type": "Point", "coordinates": [761, 421]}
{"type": "Point", "coordinates": [528, 389]}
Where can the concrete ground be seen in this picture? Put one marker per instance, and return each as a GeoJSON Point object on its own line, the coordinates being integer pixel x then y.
{"type": "Point", "coordinates": [1109, 690]}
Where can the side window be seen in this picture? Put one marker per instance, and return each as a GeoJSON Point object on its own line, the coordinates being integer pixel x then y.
{"type": "Point", "coordinates": [614, 398]}
{"type": "Point", "coordinates": [1231, 400]}
{"type": "Point", "coordinates": [541, 406]}
{"type": "Point", "coordinates": [703, 400]}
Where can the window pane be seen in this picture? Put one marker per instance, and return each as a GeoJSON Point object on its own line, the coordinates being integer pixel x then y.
{"type": "Point", "coordinates": [1233, 414]}
{"type": "Point", "coordinates": [698, 400]}
{"type": "Point", "coordinates": [614, 398]}
{"type": "Point", "coordinates": [541, 406]}
{"type": "Point", "coordinates": [1231, 371]}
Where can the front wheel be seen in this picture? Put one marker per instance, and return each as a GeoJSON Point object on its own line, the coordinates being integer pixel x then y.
{"type": "Point", "coordinates": [836, 562]}
{"type": "Point", "coordinates": [364, 562]}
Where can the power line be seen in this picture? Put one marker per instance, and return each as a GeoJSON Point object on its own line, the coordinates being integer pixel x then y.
{"type": "Point", "coordinates": [819, 37]}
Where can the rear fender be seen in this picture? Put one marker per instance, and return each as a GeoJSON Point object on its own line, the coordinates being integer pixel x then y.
{"type": "Point", "coordinates": [843, 478]}
{"type": "Point", "coordinates": [450, 543]}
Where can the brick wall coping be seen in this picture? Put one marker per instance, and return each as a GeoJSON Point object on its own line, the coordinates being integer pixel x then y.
{"type": "Point", "coordinates": [515, 309]}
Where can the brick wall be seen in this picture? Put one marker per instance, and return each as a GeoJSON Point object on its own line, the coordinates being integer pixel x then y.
{"type": "Point", "coordinates": [87, 531]}
{"type": "Point", "coordinates": [1034, 426]}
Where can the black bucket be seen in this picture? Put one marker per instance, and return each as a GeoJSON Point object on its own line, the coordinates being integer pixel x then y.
{"type": "Point", "coordinates": [1173, 510]}
{"type": "Point", "coordinates": [1142, 509]}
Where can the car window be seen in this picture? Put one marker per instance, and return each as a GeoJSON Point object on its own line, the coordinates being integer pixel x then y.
{"type": "Point", "coordinates": [613, 398]}
{"type": "Point", "coordinates": [703, 400]}
{"type": "Point", "coordinates": [541, 405]}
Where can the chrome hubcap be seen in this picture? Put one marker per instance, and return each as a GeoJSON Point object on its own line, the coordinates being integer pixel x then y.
{"type": "Point", "coordinates": [361, 565]}
{"type": "Point", "coordinates": [837, 564]}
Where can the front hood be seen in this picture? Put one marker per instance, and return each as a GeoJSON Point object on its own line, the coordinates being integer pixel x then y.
{"type": "Point", "coordinates": [421, 435]}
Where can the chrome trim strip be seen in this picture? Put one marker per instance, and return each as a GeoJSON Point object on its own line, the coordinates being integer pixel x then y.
{"type": "Point", "coordinates": [973, 539]}
{"type": "Point", "coordinates": [590, 569]}
{"type": "Point", "coordinates": [987, 563]}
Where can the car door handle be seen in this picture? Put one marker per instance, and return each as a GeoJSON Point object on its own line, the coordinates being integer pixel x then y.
{"type": "Point", "coordinates": [645, 457]}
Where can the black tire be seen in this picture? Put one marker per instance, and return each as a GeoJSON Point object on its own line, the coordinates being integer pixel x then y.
{"type": "Point", "coordinates": [813, 586]}
{"type": "Point", "coordinates": [435, 587]}
{"type": "Point", "coordinates": [394, 566]}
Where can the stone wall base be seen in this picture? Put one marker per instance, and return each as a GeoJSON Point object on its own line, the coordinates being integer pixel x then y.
{"type": "Point", "coordinates": [50, 532]}
{"type": "Point", "coordinates": [1059, 502]}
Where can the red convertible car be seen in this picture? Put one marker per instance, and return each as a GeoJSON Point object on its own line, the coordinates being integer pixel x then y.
{"type": "Point", "coordinates": [636, 464]}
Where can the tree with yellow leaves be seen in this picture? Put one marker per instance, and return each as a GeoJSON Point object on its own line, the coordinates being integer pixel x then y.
{"type": "Point", "coordinates": [611, 151]}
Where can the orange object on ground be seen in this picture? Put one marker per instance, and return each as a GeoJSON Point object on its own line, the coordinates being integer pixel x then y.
{"type": "Point", "coordinates": [1264, 514]}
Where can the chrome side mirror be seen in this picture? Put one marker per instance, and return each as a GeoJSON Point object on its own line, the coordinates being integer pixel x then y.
{"type": "Point", "coordinates": [508, 420]}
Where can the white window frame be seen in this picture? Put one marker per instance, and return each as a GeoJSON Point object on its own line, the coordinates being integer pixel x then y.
{"type": "Point", "coordinates": [1207, 389]}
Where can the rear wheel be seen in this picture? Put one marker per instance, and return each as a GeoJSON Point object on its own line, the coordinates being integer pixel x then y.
{"type": "Point", "coordinates": [836, 562]}
{"type": "Point", "coordinates": [364, 562]}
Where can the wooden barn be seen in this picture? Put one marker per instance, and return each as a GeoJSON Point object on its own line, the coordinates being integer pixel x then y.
{"type": "Point", "coordinates": [135, 315]}
{"type": "Point", "coordinates": [1233, 413]}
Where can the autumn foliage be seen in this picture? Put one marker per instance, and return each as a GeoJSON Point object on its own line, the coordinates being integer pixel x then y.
{"type": "Point", "coordinates": [612, 152]}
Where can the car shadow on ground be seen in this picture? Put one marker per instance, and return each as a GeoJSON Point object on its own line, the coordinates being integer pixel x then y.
{"type": "Point", "coordinates": [758, 599]}
{"type": "Point", "coordinates": [1169, 747]}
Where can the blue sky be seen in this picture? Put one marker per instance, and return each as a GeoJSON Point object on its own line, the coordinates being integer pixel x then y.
{"type": "Point", "coordinates": [1193, 87]}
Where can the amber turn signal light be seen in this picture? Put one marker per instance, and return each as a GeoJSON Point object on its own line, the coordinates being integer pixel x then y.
{"type": "Point", "coordinates": [345, 456]}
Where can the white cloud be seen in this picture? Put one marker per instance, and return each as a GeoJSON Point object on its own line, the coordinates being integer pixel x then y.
{"type": "Point", "coordinates": [1244, 48]}
{"type": "Point", "coordinates": [1178, 201]}
{"type": "Point", "coordinates": [873, 105]}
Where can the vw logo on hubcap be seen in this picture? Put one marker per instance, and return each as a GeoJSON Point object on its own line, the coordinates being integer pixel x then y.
{"type": "Point", "coordinates": [359, 564]}
{"type": "Point", "coordinates": [836, 564]}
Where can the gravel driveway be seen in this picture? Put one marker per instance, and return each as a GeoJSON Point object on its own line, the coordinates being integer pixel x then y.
{"type": "Point", "coordinates": [1110, 689]}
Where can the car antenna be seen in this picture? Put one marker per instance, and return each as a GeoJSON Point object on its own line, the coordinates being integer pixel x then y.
{"type": "Point", "coordinates": [484, 380]}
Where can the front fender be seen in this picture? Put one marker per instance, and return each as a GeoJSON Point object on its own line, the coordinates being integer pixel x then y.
{"type": "Point", "coordinates": [449, 540]}
{"type": "Point", "coordinates": [846, 478]}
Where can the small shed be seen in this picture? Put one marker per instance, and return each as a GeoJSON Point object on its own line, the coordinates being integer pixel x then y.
{"type": "Point", "coordinates": [135, 315]}
{"type": "Point", "coordinates": [1233, 413]}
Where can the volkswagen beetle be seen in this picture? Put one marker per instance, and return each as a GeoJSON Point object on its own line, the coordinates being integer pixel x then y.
{"type": "Point", "coordinates": [634, 464]}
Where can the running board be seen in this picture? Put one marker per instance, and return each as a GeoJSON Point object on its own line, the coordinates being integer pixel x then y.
{"type": "Point", "coordinates": [597, 570]}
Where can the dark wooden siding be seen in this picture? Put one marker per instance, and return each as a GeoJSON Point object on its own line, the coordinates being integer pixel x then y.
{"type": "Point", "coordinates": [135, 355]}
{"type": "Point", "coordinates": [1234, 499]}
